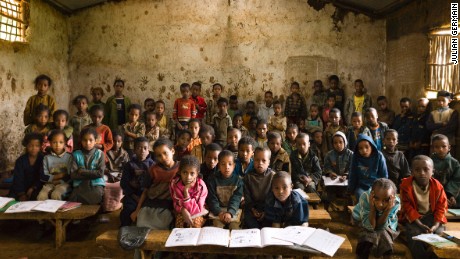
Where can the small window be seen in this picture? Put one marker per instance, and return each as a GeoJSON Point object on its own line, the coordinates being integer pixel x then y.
{"type": "Point", "coordinates": [441, 73]}
{"type": "Point", "coordinates": [13, 20]}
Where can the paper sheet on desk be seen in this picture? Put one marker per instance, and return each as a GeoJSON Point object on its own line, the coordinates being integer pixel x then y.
{"type": "Point", "coordinates": [329, 182]}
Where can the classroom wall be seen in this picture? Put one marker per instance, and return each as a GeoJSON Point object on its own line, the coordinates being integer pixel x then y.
{"type": "Point", "coordinates": [407, 47]}
{"type": "Point", "coordinates": [248, 46]}
{"type": "Point", "coordinates": [46, 51]}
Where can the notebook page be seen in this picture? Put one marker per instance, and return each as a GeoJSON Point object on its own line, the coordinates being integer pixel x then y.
{"type": "Point", "coordinates": [268, 239]}
{"type": "Point", "coordinates": [295, 234]}
{"type": "Point", "coordinates": [245, 238]}
{"type": "Point", "coordinates": [183, 237]}
{"type": "Point", "coordinates": [49, 206]}
{"type": "Point", "coordinates": [214, 236]}
{"type": "Point", "coordinates": [324, 241]}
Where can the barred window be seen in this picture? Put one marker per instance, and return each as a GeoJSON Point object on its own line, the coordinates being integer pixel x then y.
{"type": "Point", "coordinates": [441, 73]}
{"type": "Point", "coordinates": [13, 20]}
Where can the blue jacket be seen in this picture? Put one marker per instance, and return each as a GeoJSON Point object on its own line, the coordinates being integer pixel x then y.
{"type": "Point", "coordinates": [88, 165]}
{"type": "Point", "coordinates": [293, 212]}
{"type": "Point", "coordinates": [135, 173]}
{"type": "Point", "coordinates": [364, 170]}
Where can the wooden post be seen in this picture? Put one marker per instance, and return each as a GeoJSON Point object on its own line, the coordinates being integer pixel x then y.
{"type": "Point", "coordinates": [59, 233]}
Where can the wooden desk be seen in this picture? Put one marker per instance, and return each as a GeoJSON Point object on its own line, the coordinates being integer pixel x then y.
{"type": "Point", "coordinates": [156, 240]}
{"type": "Point", "coordinates": [59, 219]}
{"type": "Point", "coordinates": [313, 198]}
{"type": "Point", "coordinates": [451, 216]}
{"type": "Point", "coordinates": [447, 252]}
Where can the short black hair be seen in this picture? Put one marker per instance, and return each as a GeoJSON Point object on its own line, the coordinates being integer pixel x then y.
{"type": "Point", "coordinates": [135, 106]}
{"type": "Point", "coordinates": [381, 98]}
{"type": "Point", "coordinates": [277, 102]}
{"type": "Point", "coordinates": [405, 100]}
{"type": "Point", "coordinates": [261, 122]}
{"type": "Point", "coordinates": [269, 92]}
{"type": "Point", "coordinates": [250, 102]}
{"type": "Point", "coordinates": [184, 85]}
{"type": "Point", "coordinates": [222, 100]}
{"type": "Point", "coordinates": [140, 140]}
{"type": "Point", "coordinates": [336, 111]}
{"type": "Point", "coordinates": [162, 141]}
{"type": "Point", "coordinates": [359, 81]}
{"type": "Point", "coordinates": [43, 77]}
{"type": "Point", "coordinates": [318, 82]}
{"type": "Point", "coordinates": [247, 141]}
{"type": "Point", "coordinates": [439, 137]}
{"type": "Point", "coordinates": [197, 83]}
{"type": "Point", "coordinates": [184, 132]}
{"type": "Point", "coordinates": [273, 135]}
{"type": "Point", "coordinates": [32, 136]}
{"type": "Point", "coordinates": [302, 135]}
{"type": "Point", "coordinates": [292, 126]}
{"type": "Point", "coordinates": [388, 131]}
{"type": "Point", "coordinates": [385, 184]}
{"type": "Point", "coordinates": [295, 83]}
{"type": "Point", "coordinates": [118, 80]}
{"type": "Point", "coordinates": [356, 114]}
{"type": "Point", "coordinates": [263, 149]}
{"type": "Point", "coordinates": [41, 108]}
{"type": "Point", "coordinates": [56, 132]}
{"type": "Point", "coordinates": [213, 147]}
{"type": "Point", "coordinates": [79, 98]}
{"type": "Point", "coordinates": [117, 133]}
{"type": "Point", "coordinates": [233, 97]}
{"type": "Point", "coordinates": [444, 93]}
{"type": "Point", "coordinates": [89, 130]}
{"type": "Point", "coordinates": [207, 129]}
{"type": "Point", "coordinates": [237, 115]}
{"type": "Point", "coordinates": [334, 77]}
{"type": "Point", "coordinates": [189, 160]}
{"type": "Point", "coordinates": [194, 120]}
{"type": "Point", "coordinates": [147, 100]}
{"type": "Point", "coordinates": [314, 105]}
{"type": "Point", "coordinates": [281, 175]}
{"type": "Point", "coordinates": [225, 153]}
{"type": "Point", "coordinates": [58, 113]}
{"type": "Point", "coordinates": [160, 102]}
{"type": "Point", "coordinates": [330, 95]}
{"type": "Point", "coordinates": [96, 108]}
{"type": "Point", "coordinates": [230, 130]}
{"type": "Point", "coordinates": [217, 84]}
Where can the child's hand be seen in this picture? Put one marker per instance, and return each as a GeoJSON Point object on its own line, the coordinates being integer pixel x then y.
{"type": "Point", "coordinates": [371, 200]}
{"type": "Point", "coordinates": [333, 176]}
{"type": "Point", "coordinates": [98, 146]}
{"type": "Point", "coordinates": [187, 217]}
{"type": "Point", "coordinates": [434, 227]}
{"type": "Point", "coordinates": [29, 192]}
{"type": "Point", "coordinates": [451, 201]}
{"type": "Point", "coordinates": [391, 203]}
{"type": "Point", "coordinates": [133, 215]}
{"type": "Point", "coordinates": [227, 218]}
{"type": "Point", "coordinates": [303, 179]}
{"type": "Point", "coordinates": [342, 178]}
{"type": "Point", "coordinates": [424, 227]}
{"type": "Point", "coordinates": [255, 213]}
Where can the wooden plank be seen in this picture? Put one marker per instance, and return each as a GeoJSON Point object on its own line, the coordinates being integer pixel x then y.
{"type": "Point", "coordinates": [156, 240]}
{"type": "Point", "coordinates": [313, 198]}
{"type": "Point", "coordinates": [447, 252]}
{"type": "Point", "coordinates": [451, 216]}
{"type": "Point", "coordinates": [319, 217]}
{"type": "Point", "coordinates": [79, 213]}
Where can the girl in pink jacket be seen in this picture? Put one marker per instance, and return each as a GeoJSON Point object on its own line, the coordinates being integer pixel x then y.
{"type": "Point", "coordinates": [189, 193]}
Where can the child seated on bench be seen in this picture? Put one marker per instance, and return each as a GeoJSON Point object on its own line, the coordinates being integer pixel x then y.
{"type": "Point", "coordinates": [56, 169]}
{"type": "Point", "coordinates": [225, 192]}
{"type": "Point", "coordinates": [26, 172]}
{"type": "Point", "coordinates": [424, 204]}
{"type": "Point", "coordinates": [376, 214]}
{"type": "Point", "coordinates": [135, 173]}
{"type": "Point", "coordinates": [367, 164]}
{"type": "Point", "coordinates": [88, 170]}
{"type": "Point", "coordinates": [209, 166]}
{"type": "Point", "coordinates": [257, 185]}
{"type": "Point", "coordinates": [283, 207]}
{"type": "Point", "coordinates": [155, 208]}
{"type": "Point", "coordinates": [189, 193]}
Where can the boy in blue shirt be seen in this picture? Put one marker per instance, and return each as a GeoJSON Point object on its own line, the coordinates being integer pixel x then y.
{"type": "Point", "coordinates": [284, 207]}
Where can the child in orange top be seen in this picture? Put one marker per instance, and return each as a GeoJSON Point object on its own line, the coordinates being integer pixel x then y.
{"type": "Point", "coordinates": [194, 127]}
{"type": "Point", "coordinates": [189, 193]}
{"type": "Point", "coordinates": [41, 126]}
{"type": "Point", "coordinates": [424, 204]}
{"type": "Point", "coordinates": [42, 85]}
{"type": "Point", "coordinates": [104, 141]}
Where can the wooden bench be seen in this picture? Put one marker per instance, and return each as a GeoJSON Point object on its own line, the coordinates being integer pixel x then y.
{"type": "Point", "coordinates": [451, 216]}
{"type": "Point", "coordinates": [313, 199]}
{"type": "Point", "coordinates": [319, 217]}
{"type": "Point", "coordinates": [155, 242]}
{"type": "Point", "coordinates": [59, 219]}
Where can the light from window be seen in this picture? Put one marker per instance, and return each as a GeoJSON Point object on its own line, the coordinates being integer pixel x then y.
{"type": "Point", "coordinates": [441, 73]}
{"type": "Point", "coordinates": [11, 21]}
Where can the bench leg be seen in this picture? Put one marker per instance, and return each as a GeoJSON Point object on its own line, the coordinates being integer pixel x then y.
{"type": "Point", "coordinates": [61, 226]}
{"type": "Point", "coordinates": [146, 254]}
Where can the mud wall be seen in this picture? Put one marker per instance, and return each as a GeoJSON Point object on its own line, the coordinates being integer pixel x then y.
{"type": "Point", "coordinates": [248, 46]}
{"type": "Point", "coordinates": [46, 52]}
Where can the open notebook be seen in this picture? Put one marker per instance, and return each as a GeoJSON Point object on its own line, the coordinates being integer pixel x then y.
{"type": "Point", "coordinates": [317, 239]}
{"type": "Point", "coordinates": [223, 237]}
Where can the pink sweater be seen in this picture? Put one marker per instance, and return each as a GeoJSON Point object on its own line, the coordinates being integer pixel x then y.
{"type": "Point", "coordinates": [197, 193]}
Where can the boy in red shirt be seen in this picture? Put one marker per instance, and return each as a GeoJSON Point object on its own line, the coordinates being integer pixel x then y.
{"type": "Point", "coordinates": [184, 109]}
{"type": "Point", "coordinates": [200, 103]}
{"type": "Point", "coordinates": [424, 204]}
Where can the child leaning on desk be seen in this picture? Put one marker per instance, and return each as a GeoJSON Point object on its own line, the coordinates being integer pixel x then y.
{"type": "Point", "coordinates": [284, 207]}
{"type": "Point", "coordinates": [376, 213]}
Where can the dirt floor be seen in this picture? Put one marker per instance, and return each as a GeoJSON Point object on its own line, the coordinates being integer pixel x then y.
{"type": "Point", "coordinates": [19, 239]}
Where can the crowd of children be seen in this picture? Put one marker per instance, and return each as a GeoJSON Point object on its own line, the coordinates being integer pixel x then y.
{"type": "Point", "coordinates": [242, 165]}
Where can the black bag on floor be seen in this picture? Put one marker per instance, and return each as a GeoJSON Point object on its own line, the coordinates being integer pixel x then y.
{"type": "Point", "coordinates": [132, 237]}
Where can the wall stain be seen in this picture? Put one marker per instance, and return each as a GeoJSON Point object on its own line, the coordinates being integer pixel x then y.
{"type": "Point", "coordinates": [13, 85]}
{"type": "Point", "coordinates": [160, 76]}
